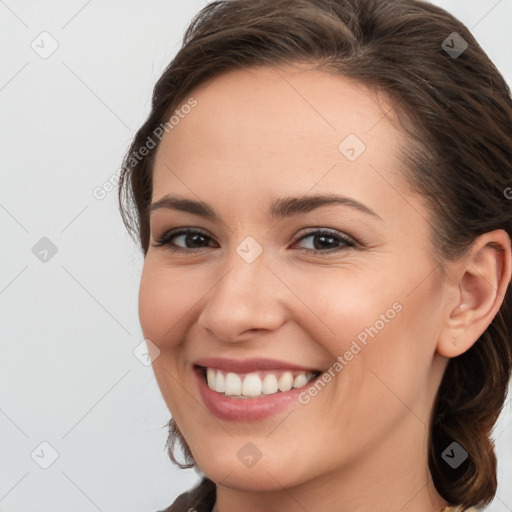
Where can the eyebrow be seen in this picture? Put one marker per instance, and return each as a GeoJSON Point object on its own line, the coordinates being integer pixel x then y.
{"type": "Point", "coordinates": [279, 208]}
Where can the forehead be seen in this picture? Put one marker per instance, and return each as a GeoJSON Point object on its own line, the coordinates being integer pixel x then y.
{"type": "Point", "coordinates": [278, 126]}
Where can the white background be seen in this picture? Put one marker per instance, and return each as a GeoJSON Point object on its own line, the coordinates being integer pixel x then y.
{"type": "Point", "coordinates": [68, 327]}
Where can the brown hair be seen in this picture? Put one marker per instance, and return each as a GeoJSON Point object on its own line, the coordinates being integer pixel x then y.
{"type": "Point", "coordinates": [457, 112]}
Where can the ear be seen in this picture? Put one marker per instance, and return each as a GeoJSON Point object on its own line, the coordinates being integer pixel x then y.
{"type": "Point", "coordinates": [479, 280]}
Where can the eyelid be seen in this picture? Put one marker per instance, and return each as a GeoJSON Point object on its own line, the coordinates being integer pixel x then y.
{"type": "Point", "coordinates": [347, 241]}
{"type": "Point", "coordinates": [306, 231]}
{"type": "Point", "coordinates": [183, 230]}
{"type": "Point", "coordinates": [334, 232]}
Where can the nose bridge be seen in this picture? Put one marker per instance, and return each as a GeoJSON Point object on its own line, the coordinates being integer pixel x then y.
{"type": "Point", "coordinates": [245, 296]}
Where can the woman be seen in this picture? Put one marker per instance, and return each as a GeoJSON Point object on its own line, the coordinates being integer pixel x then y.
{"type": "Point", "coordinates": [320, 193]}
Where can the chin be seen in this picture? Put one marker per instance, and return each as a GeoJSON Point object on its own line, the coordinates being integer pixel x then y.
{"type": "Point", "coordinates": [251, 480]}
{"type": "Point", "coordinates": [224, 468]}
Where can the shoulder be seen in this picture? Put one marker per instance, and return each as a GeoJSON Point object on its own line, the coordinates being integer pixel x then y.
{"type": "Point", "coordinates": [200, 498]}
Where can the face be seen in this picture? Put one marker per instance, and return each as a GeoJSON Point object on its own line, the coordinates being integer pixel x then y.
{"type": "Point", "coordinates": [264, 291]}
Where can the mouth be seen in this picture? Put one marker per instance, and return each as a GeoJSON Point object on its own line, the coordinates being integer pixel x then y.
{"type": "Point", "coordinates": [255, 384]}
{"type": "Point", "coordinates": [250, 390]}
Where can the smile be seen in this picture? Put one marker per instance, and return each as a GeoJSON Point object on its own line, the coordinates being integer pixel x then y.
{"type": "Point", "coordinates": [250, 390]}
{"type": "Point", "coordinates": [256, 384]}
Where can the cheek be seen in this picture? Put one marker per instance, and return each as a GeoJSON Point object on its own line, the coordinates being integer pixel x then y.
{"type": "Point", "coordinates": [376, 322]}
{"type": "Point", "coordinates": [163, 303]}
{"type": "Point", "coordinates": [347, 307]}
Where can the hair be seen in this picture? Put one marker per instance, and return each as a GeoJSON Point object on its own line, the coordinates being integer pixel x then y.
{"type": "Point", "coordinates": [457, 114]}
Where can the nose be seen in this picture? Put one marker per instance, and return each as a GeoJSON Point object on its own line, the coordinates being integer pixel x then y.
{"type": "Point", "coordinates": [247, 298]}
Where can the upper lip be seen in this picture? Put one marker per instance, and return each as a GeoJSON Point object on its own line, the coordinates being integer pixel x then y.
{"type": "Point", "coordinates": [249, 365]}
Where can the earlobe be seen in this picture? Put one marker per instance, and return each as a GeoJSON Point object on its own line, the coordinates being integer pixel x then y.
{"type": "Point", "coordinates": [484, 275]}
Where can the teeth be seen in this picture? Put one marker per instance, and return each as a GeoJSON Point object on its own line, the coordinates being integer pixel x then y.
{"type": "Point", "coordinates": [270, 384]}
{"type": "Point", "coordinates": [220, 383]}
{"type": "Point", "coordinates": [285, 383]}
{"type": "Point", "coordinates": [300, 380]}
{"type": "Point", "coordinates": [253, 385]}
{"type": "Point", "coordinates": [233, 384]}
{"type": "Point", "coordinates": [210, 377]}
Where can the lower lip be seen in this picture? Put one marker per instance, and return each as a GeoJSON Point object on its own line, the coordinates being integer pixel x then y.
{"type": "Point", "coordinates": [245, 410]}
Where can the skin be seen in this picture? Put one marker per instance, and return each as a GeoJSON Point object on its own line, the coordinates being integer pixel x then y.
{"type": "Point", "coordinates": [361, 443]}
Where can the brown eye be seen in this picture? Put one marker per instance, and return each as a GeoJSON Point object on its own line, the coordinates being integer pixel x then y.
{"type": "Point", "coordinates": [327, 241]}
{"type": "Point", "coordinates": [189, 237]}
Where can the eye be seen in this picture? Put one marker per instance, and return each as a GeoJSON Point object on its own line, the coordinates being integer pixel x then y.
{"type": "Point", "coordinates": [194, 240]}
{"type": "Point", "coordinates": [326, 239]}
{"type": "Point", "coordinates": [188, 236]}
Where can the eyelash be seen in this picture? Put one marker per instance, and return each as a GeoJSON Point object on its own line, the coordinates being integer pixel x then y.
{"type": "Point", "coordinates": [165, 240]}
